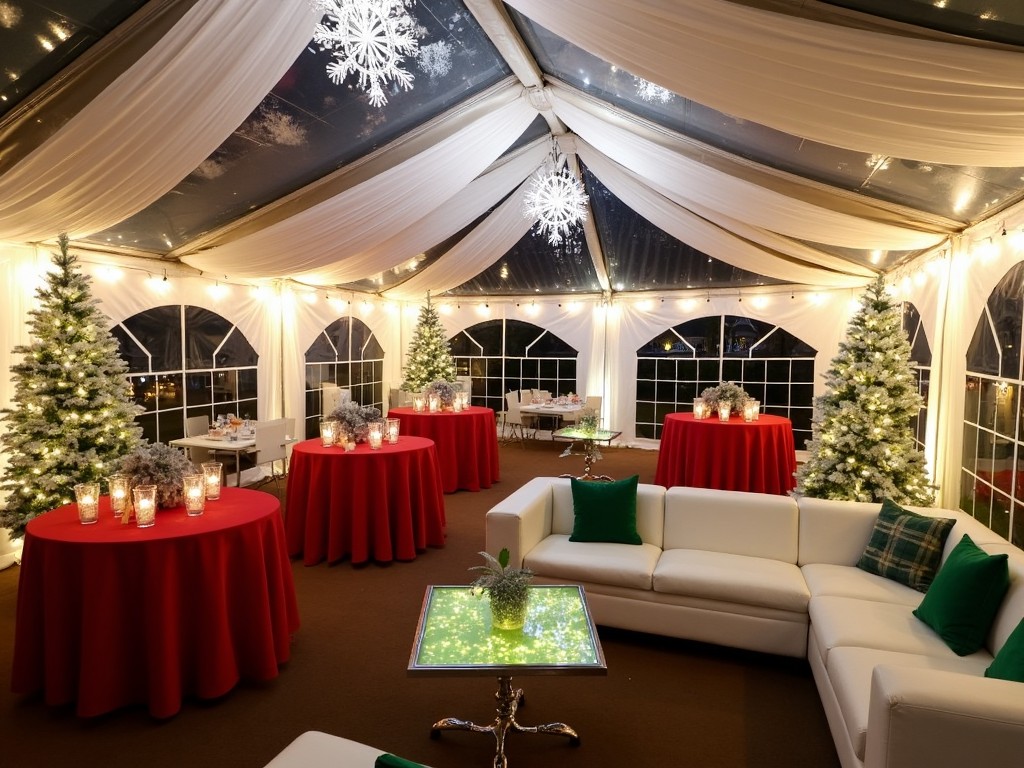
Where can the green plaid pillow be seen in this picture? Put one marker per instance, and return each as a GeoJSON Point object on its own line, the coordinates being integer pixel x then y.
{"type": "Point", "coordinates": [905, 546]}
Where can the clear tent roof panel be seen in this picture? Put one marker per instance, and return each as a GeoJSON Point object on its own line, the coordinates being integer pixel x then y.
{"type": "Point", "coordinates": [996, 20]}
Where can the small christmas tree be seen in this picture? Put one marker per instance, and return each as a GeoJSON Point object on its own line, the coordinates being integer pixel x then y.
{"type": "Point", "coordinates": [73, 415]}
{"type": "Point", "coordinates": [862, 447]}
{"type": "Point", "coordinates": [430, 357]}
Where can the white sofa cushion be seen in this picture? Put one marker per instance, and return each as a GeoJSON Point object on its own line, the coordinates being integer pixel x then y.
{"type": "Point", "coordinates": [731, 579]}
{"type": "Point", "coordinates": [624, 565]}
{"type": "Point", "coordinates": [753, 524]}
{"type": "Point", "coordinates": [849, 581]}
{"type": "Point", "coordinates": [847, 621]}
{"type": "Point", "coordinates": [1011, 611]}
{"type": "Point", "coordinates": [849, 671]}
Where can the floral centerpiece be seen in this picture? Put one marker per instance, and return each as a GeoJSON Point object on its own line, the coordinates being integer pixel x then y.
{"type": "Point", "coordinates": [508, 589]}
{"type": "Point", "coordinates": [355, 419]}
{"type": "Point", "coordinates": [588, 421]}
{"type": "Point", "coordinates": [444, 390]}
{"type": "Point", "coordinates": [160, 465]}
{"type": "Point", "coordinates": [726, 392]}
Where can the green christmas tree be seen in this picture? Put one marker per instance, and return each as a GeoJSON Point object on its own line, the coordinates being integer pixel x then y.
{"type": "Point", "coordinates": [430, 356]}
{"type": "Point", "coordinates": [73, 415]}
{"type": "Point", "coordinates": [862, 447]}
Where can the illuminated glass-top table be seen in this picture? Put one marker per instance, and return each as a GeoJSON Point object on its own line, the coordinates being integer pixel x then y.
{"type": "Point", "coordinates": [591, 453]}
{"type": "Point", "coordinates": [454, 637]}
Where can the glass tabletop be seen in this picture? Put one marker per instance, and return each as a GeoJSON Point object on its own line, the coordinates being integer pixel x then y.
{"type": "Point", "coordinates": [575, 433]}
{"type": "Point", "coordinates": [455, 635]}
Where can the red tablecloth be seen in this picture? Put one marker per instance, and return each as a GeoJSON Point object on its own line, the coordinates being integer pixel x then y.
{"type": "Point", "coordinates": [110, 615]}
{"type": "Point", "coordinates": [467, 444]}
{"type": "Point", "coordinates": [734, 455]}
{"type": "Point", "coordinates": [366, 504]}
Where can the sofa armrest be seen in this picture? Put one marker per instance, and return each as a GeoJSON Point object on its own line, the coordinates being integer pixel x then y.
{"type": "Point", "coordinates": [520, 521]}
{"type": "Point", "coordinates": [939, 718]}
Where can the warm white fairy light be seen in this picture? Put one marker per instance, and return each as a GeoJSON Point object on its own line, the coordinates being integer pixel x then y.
{"type": "Point", "coordinates": [555, 198]}
{"type": "Point", "coordinates": [370, 39]}
{"type": "Point", "coordinates": [649, 91]}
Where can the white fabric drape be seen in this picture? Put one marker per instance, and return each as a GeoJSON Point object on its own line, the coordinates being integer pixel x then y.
{"type": "Point", "coordinates": [356, 220]}
{"type": "Point", "coordinates": [696, 185]}
{"type": "Point", "coordinates": [440, 223]}
{"type": "Point", "coordinates": [494, 236]}
{"type": "Point", "coordinates": [911, 98]}
{"type": "Point", "coordinates": [156, 122]}
{"type": "Point", "coordinates": [823, 269]}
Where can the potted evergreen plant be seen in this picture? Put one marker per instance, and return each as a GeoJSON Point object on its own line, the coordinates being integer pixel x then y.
{"type": "Point", "coordinates": [507, 588]}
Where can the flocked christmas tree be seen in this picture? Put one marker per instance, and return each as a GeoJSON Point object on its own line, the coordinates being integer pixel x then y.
{"type": "Point", "coordinates": [430, 356]}
{"type": "Point", "coordinates": [72, 415]}
{"type": "Point", "coordinates": [862, 447]}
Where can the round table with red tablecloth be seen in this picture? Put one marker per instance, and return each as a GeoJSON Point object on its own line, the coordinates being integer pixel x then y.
{"type": "Point", "coordinates": [734, 455]}
{"type": "Point", "coordinates": [110, 615]}
{"type": "Point", "coordinates": [364, 504]}
{"type": "Point", "coordinates": [467, 444]}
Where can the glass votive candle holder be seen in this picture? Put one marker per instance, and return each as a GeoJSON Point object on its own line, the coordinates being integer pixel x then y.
{"type": "Point", "coordinates": [87, 497]}
{"type": "Point", "coordinates": [391, 430]}
{"type": "Point", "coordinates": [700, 408]}
{"type": "Point", "coordinates": [145, 505]}
{"type": "Point", "coordinates": [418, 403]}
{"type": "Point", "coordinates": [194, 487]}
{"type": "Point", "coordinates": [464, 397]}
{"type": "Point", "coordinates": [457, 404]}
{"type": "Point", "coordinates": [724, 411]}
{"type": "Point", "coordinates": [757, 410]}
{"type": "Point", "coordinates": [749, 410]}
{"type": "Point", "coordinates": [212, 476]}
{"type": "Point", "coordinates": [119, 486]}
{"type": "Point", "coordinates": [375, 436]}
{"type": "Point", "coordinates": [434, 403]}
{"type": "Point", "coordinates": [328, 432]}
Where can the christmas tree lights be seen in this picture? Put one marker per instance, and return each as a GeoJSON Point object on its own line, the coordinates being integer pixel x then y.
{"type": "Point", "coordinates": [72, 416]}
{"type": "Point", "coordinates": [862, 445]}
{"type": "Point", "coordinates": [430, 356]}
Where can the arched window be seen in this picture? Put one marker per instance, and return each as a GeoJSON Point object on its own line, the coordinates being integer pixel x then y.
{"type": "Point", "coordinates": [186, 361]}
{"type": "Point", "coordinates": [991, 478]}
{"type": "Point", "coordinates": [505, 355]}
{"type": "Point", "coordinates": [771, 364]}
{"type": "Point", "coordinates": [345, 353]}
{"type": "Point", "coordinates": [921, 354]}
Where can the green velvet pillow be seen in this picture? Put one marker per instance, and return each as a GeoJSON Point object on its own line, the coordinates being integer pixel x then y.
{"type": "Point", "coordinates": [1009, 662]}
{"type": "Point", "coordinates": [965, 596]}
{"type": "Point", "coordinates": [905, 546]}
{"type": "Point", "coordinates": [605, 511]}
{"type": "Point", "coordinates": [387, 760]}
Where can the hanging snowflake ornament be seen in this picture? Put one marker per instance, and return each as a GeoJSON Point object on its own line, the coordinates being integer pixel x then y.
{"type": "Point", "coordinates": [556, 199]}
{"type": "Point", "coordinates": [370, 39]}
{"type": "Point", "coordinates": [649, 91]}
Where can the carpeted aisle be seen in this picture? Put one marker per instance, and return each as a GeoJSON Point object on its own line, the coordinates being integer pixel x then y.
{"type": "Point", "coordinates": [664, 702]}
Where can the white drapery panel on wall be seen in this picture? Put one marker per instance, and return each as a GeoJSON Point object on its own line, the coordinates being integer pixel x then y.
{"type": "Point", "coordinates": [441, 223]}
{"type": "Point", "coordinates": [868, 91]}
{"type": "Point", "coordinates": [695, 184]}
{"type": "Point", "coordinates": [487, 243]}
{"type": "Point", "coordinates": [355, 221]}
{"type": "Point", "coordinates": [157, 122]}
{"type": "Point", "coordinates": [721, 243]}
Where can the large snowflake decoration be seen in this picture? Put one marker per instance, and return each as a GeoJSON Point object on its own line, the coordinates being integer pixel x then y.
{"type": "Point", "coordinates": [556, 199]}
{"type": "Point", "coordinates": [436, 59]}
{"type": "Point", "coordinates": [648, 91]}
{"type": "Point", "coordinates": [368, 38]}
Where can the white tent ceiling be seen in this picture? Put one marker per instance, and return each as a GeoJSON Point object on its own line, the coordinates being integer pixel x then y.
{"type": "Point", "coordinates": [128, 145]}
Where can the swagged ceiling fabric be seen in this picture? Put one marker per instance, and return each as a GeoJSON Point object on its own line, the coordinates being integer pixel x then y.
{"type": "Point", "coordinates": [921, 96]}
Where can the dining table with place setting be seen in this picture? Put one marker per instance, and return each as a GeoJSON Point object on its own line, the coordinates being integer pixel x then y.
{"type": "Point", "coordinates": [551, 412]}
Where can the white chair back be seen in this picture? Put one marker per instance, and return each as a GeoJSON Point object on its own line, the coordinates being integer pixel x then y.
{"type": "Point", "coordinates": [197, 426]}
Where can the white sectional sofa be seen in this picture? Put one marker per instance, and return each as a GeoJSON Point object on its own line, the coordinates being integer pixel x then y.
{"type": "Point", "coordinates": [316, 749]}
{"type": "Point", "coordinates": [776, 574]}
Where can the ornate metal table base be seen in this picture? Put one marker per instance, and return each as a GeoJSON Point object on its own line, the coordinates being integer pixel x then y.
{"type": "Point", "coordinates": [590, 454]}
{"type": "Point", "coordinates": [509, 699]}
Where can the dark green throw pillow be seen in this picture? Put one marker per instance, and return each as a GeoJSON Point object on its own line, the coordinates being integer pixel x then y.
{"type": "Point", "coordinates": [965, 596]}
{"type": "Point", "coordinates": [387, 760]}
{"type": "Point", "coordinates": [905, 546]}
{"type": "Point", "coordinates": [1009, 662]}
{"type": "Point", "coordinates": [605, 511]}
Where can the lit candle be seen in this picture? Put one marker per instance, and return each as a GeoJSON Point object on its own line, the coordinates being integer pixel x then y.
{"type": "Point", "coordinates": [393, 431]}
{"type": "Point", "coordinates": [748, 411]}
{"type": "Point", "coordinates": [434, 403]}
{"type": "Point", "coordinates": [417, 403]}
{"type": "Point", "coordinates": [87, 496]}
{"type": "Point", "coordinates": [375, 437]}
{"type": "Point", "coordinates": [724, 409]}
{"type": "Point", "coordinates": [145, 505]}
{"type": "Point", "coordinates": [700, 408]}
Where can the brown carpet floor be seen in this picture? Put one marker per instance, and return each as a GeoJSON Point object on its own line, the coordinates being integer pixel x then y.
{"type": "Point", "coordinates": [664, 702]}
